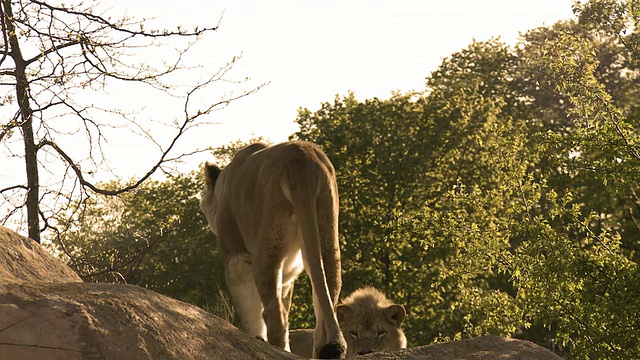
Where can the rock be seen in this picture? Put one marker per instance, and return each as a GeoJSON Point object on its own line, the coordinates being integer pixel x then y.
{"type": "Point", "coordinates": [111, 321]}
{"type": "Point", "coordinates": [478, 348]}
{"type": "Point", "coordinates": [47, 313]}
{"type": "Point", "coordinates": [22, 259]}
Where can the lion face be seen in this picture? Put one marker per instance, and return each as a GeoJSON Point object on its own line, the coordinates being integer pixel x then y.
{"type": "Point", "coordinates": [370, 323]}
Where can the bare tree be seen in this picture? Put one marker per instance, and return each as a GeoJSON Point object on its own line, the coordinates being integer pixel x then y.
{"type": "Point", "coordinates": [51, 54]}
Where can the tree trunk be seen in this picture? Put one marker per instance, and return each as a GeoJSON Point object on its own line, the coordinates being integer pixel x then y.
{"type": "Point", "coordinates": [26, 124]}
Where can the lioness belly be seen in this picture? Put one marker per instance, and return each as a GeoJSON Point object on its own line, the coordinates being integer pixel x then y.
{"type": "Point", "coordinates": [293, 264]}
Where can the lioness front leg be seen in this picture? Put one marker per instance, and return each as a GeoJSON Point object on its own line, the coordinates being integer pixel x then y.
{"type": "Point", "coordinates": [245, 295]}
{"type": "Point", "coordinates": [268, 275]}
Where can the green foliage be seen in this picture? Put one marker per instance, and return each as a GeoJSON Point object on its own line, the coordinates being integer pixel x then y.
{"type": "Point", "coordinates": [484, 204]}
{"type": "Point", "coordinates": [614, 18]}
{"type": "Point", "coordinates": [596, 150]}
{"type": "Point", "coordinates": [502, 199]}
{"type": "Point", "coordinates": [224, 154]}
{"type": "Point", "coordinates": [408, 152]}
{"type": "Point", "coordinates": [155, 237]}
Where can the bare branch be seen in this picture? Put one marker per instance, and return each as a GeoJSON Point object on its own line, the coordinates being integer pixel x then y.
{"type": "Point", "coordinates": [5, 52]}
{"type": "Point", "coordinates": [187, 122]}
{"type": "Point", "coordinates": [51, 50]}
{"type": "Point", "coordinates": [13, 188]}
{"type": "Point", "coordinates": [68, 49]}
{"type": "Point", "coordinates": [100, 20]}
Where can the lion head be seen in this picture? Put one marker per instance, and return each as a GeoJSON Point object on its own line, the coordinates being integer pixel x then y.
{"type": "Point", "coordinates": [370, 322]}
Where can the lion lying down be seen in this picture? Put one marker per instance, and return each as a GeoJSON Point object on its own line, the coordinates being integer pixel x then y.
{"type": "Point", "coordinates": [369, 321]}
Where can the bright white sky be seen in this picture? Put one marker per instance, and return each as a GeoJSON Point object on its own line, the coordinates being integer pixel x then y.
{"type": "Point", "coordinates": [309, 52]}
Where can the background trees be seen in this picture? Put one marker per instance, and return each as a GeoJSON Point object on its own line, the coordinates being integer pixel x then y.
{"type": "Point", "coordinates": [502, 221]}
{"type": "Point", "coordinates": [501, 199]}
{"type": "Point", "coordinates": [155, 237]}
{"type": "Point", "coordinates": [397, 161]}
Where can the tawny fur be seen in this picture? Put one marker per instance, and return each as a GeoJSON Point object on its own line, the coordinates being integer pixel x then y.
{"type": "Point", "coordinates": [370, 322]}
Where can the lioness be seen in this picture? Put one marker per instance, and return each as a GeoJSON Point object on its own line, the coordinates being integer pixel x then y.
{"type": "Point", "coordinates": [274, 209]}
{"type": "Point", "coordinates": [370, 322]}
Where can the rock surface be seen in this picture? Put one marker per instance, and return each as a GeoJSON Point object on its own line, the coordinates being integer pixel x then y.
{"type": "Point", "coordinates": [107, 321]}
{"type": "Point", "coordinates": [47, 313]}
{"type": "Point", "coordinates": [22, 259]}
{"type": "Point", "coordinates": [478, 348]}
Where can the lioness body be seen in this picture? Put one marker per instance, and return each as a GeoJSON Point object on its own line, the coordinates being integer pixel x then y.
{"type": "Point", "coordinates": [370, 322]}
{"type": "Point", "coordinates": [275, 210]}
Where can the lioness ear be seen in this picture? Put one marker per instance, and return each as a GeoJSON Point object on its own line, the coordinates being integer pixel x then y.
{"type": "Point", "coordinates": [395, 314]}
{"type": "Point", "coordinates": [211, 173]}
{"type": "Point", "coordinates": [343, 312]}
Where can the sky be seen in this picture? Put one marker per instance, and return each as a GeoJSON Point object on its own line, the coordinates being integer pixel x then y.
{"type": "Point", "coordinates": [306, 52]}
{"type": "Point", "coordinates": [309, 52]}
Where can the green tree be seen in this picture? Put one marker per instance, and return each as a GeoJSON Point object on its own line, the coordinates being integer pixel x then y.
{"type": "Point", "coordinates": [585, 148]}
{"type": "Point", "coordinates": [592, 67]}
{"type": "Point", "coordinates": [394, 156]}
{"type": "Point", "coordinates": [476, 241]}
{"type": "Point", "coordinates": [154, 237]}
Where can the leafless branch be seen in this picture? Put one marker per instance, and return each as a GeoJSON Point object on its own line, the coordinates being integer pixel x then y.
{"type": "Point", "coordinates": [13, 188]}
{"type": "Point", "coordinates": [100, 20]}
{"type": "Point", "coordinates": [187, 122]}
{"type": "Point", "coordinates": [5, 51]}
{"type": "Point", "coordinates": [54, 49]}
{"type": "Point", "coordinates": [78, 48]}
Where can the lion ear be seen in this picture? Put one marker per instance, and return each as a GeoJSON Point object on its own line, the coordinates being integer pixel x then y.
{"type": "Point", "coordinates": [395, 314]}
{"type": "Point", "coordinates": [343, 312]}
{"type": "Point", "coordinates": [211, 173]}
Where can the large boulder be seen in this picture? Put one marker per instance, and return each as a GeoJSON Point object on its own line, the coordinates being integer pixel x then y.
{"type": "Point", "coordinates": [22, 259]}
{"type": "Point", "coordinates": [478, 348]}
{"type": "Point", "coordinates": [106, 321]}
{"type": "Point", "coordinates": [47, 312]}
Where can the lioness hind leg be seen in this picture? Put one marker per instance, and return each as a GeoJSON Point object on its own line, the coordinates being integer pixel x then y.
{"type": "Point", "coordinates": [245, 295]}
{"type": "Point", "coordinates": [328, 341]}
{"type": "Point", "coordinates": [333, 344]}
{"type": "Point", "coordinates": [319, 333]}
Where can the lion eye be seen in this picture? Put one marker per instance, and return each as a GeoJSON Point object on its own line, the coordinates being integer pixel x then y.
{"type": "Point", "coordinates": [381, 334]}
{"type": "Point", "coordinates": [354, 334]}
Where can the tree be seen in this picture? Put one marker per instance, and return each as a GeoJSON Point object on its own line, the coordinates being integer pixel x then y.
{"type": "Point", "coordinates": [591, 67]}
{"type": "Point", "coordinates": [614, 18]}
{"type": "Point", "coordinates": [585, 151]}
{"type": "Point", "coordinates": [394, 157]}
{"type": "Point", "coordinates": [377, 171]}
{"type": "Point", "coordinates": [155, 237]}
{"type": "Point", "coordinates": [446, 206]}
{"type": "Point", "coordinates": [54, 60]}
